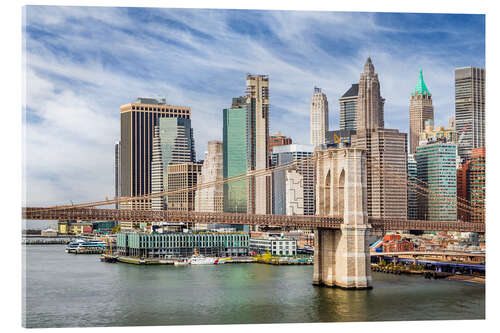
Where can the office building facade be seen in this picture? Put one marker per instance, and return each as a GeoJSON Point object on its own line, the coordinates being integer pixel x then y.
{"type": "Point", "coordinates": [180, 176]}
{"type": "Point", "coordinates": [421, 110]}
{"type": "Point", "coordinates": [386, 151]}
{"type": "Point", "coordinates": [234, 156]}
{"type": "Point", "coordinates": [173, 143]}
{"type": "Point", "coordinates": [437, 172]}
{"type": "Point", "coordinates": [211, 199]}
{"type": "Point", "coordinates": [470, 108]}
{"type": "Point", "coordinates": [463, 213]}
{"type": "Point", "coordinates": [257, 100]}
{"type": "Point", "coordinates": [319, 118]}
{"type": "Point", "coordinates": [477, 184]}
{"type": "Point", "coordinates": [117, 172]}
{"type": "Point", "coordinates": [245, 149]}
{"type": "Point", "coordinates": [412, 188]}
{"type": "Point", "coordinates": [137, 121]}
{"type": "Point", "coordinates": [370, 105]}
{"type": "Point", "coordinates": [286, 196]}
{"type": "Point", "coordinates": [348, 105]}
{"type": "Point", "coordinates": [386, 171]}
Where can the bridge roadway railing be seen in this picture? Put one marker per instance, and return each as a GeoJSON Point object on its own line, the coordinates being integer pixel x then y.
{"type": "Point", "coordinates": [94, 214]}
{"type": "Point", "coordinates": [305, 221]}
{"type": "Point", "coordinates": [387, 224]}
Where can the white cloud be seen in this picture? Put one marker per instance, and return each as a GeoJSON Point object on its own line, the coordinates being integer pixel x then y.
{"type": "Point", "coordinates": [97, 59]}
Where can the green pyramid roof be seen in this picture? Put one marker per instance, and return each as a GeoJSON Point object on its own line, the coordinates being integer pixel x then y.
{"type": "Point", "coordinates": [421, 88]}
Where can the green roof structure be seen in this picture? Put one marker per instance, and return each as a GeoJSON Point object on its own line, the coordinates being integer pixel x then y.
{"type": "Point", "coordinates": [421, 88]}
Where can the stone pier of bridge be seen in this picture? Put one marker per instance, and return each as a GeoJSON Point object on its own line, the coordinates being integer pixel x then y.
{"type": "Point", "coordinates": [341, 257]}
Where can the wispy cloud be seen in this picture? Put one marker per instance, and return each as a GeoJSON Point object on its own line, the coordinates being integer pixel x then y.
{"type": "Point", "coordinates": [82, 63]}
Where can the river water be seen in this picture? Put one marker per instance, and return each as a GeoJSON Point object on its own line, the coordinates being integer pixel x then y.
{"type": "Point", "coordinates": [64, 290]}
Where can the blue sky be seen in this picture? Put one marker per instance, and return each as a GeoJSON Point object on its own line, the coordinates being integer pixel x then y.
{"type": "Point", "coordinates": [82, 63]}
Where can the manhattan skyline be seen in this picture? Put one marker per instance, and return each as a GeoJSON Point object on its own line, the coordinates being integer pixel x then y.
{"type": "Point", "coordinates": [83, 63]}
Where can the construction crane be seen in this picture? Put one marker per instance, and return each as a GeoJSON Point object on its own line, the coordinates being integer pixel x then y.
{"type": "Point", "coordinates": [462, 134]}
{"type": "Point", "coordinates": [336, 139]}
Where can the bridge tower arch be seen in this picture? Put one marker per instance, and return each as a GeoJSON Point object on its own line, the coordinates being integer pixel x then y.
{"type": "Point", "coordinates": [327, 192]}
{"type": "Point", "coordinates": [341, 257]}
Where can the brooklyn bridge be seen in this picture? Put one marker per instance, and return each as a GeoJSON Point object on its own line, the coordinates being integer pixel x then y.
{"type": "Point", "coordinates": [341, 222]}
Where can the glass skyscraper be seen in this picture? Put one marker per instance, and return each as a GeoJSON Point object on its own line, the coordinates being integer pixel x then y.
{"type": "Point", "coordinates": [235, 157]}
{"type": "Point", "coordinates": [436, 168]}
{"type": "Point", "coordinates": [173, 143]}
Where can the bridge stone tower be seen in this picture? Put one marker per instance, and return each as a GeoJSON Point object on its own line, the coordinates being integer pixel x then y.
{"type": "Point", "coordinates": [341, 257]}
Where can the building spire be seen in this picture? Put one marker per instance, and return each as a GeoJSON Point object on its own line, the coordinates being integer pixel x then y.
{"type": "Point", "coordinates": [421, 88]}
{"type": "Point", "coordinates": [369, 68]}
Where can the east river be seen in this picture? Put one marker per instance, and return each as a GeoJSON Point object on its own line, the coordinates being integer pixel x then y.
{"type": "Point", "coordinates": [64, 290]}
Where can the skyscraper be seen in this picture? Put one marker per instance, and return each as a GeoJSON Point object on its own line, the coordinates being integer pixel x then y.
{"type": "Point", "coordinates": [412, 190]}
{"type": "Point", "coordinates": [386, 171]}
{"type": "Point", "coordinates": [286, 197]}
{"type": "Point", "coordinates": [173, 143]}
{"type": "Point", "coordinates": [470, 108]}
{"type": "Point", "coordinates": [319, 117]}
{"type": "Point", "coordinates": [157, 177]}
{"type": "Point", "coordinates": [386, 151]}
{"type": "Point", "coordinates": [348, 105]}
{"type": "Point", "coordinates": [235, 161]}
{"type": "Point", "coordinates": [370, 105]}
{"type": "Point", "coordinates": [436, 170]}
{"type": "Point", "coordinates": [210, 199]}
{"type": "Point", "coordinates": [136, 138]}
{"type": "Point", "coordinates": [257, 100]}
{"type": "Point", "coordinates": [181, 176]}
{"type": "Point", "coordinates": [463, 192]}
{"type": "Point", "coordinates": [421, 110]}
{"type": "Point", "coordinates": [117, 172]}
{"type": "Point", "coordinates": [477, 183]}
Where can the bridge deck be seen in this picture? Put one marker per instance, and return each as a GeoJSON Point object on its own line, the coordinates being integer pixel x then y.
{"type": "Point", "coordinates": [428, 253]}
{"type": "Point", "coordinates": [305, 221]}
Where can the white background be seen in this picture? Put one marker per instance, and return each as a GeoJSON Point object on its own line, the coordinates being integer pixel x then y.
{"type": "Point", "coordinates": [11, 157]}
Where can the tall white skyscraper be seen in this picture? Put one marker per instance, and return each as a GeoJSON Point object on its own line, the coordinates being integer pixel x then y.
{"type": "Point", "coordinates": [257, 101]}
{"type": "Point", "coordinates": [319, 117]}
{"type": "Point", "coordinates": [210, 199]}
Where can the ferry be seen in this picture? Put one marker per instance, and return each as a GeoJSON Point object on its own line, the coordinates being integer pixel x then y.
{"type": "Point", "coordinates": [80, 244]}
{"type": "Point", "coordinates": [197, 259]}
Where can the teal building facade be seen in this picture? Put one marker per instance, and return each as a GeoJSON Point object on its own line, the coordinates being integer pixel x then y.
{"type": "Point", "coordinates": [235, 161]}
{"type": "Point", "coordinates": [436, 169]}
{"type": "Point", "coordinates": [179, 244]}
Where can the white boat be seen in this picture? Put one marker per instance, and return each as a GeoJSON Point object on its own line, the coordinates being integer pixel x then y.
{"type": "Point", "coordinates": [181, 262]}
{"type": "Point", "coordinates": [201, 260]}
{"type": "Point", "coordinates": [197, 259]}
{"type": "Point", "coordinates": [81, 244]}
